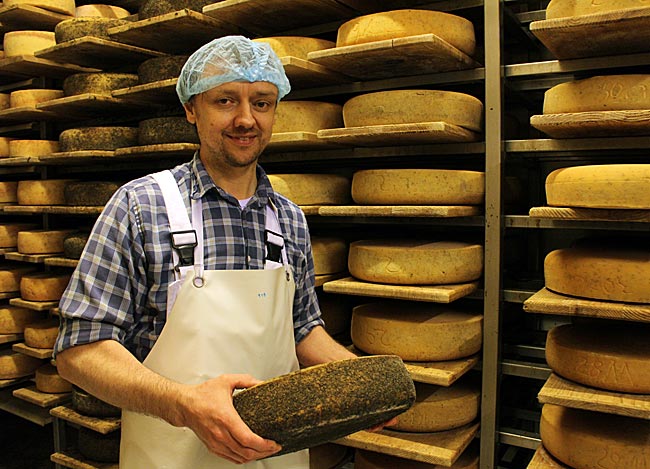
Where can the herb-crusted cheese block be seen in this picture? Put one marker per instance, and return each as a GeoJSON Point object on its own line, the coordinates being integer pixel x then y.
{"type": "Point", "coordinates": [166, 130]}
{"type": "Point", "coordinates": [453, 29]}
{"type": "Point", "coordinates": [27, 42]}
{"type": "Point", "coordinates": [97, 83]}
{"type": "Point", "coordinates": [307, 116]}
{"type": "Point", "coordinates": [102, 11]}
{"type": "Point", "coordinates": [65, 7]}
{"type": "Point", "coordinates": [415, 262]}
{"type": "Point", "coordinates": [42, 241]}
{"type": "Point", "coordinates": [151, 8]}
{"type": "Point", "coordinates": [8, 191]}
{"type": "Point", "coordinates": [49, 381]}
{"type": "Point", "coordinates": [312, 189]}
{"type": "Point", "coordinates": [161, 68]}
{"type": "Point", "coordinates": [416, 331]}
{"type": "Point", "coordinates": [14, 319]}
{"type": "Point", "coordinates": [97, 138]}
{"type": "Point", "coordinates": [30, 98]}
{"type": "Point", "coordinates": [330, 255]}
{"type": "Point", "coordinates": [325, 402]}
{"type": "Point", "coordinates": [295, 46]}
{"type": "Point", "coordinates": [76, 28]}
{"type": "Point", "coordinates": [412, 107]}
{"type": "Point", "coordinates": [42, 334]}
{"type": "Point", "coordinates": [43, 286]}
{"type": "Point", "coordinates": [10, 277]}
{"type": "Point", "coordinates": [615, 357]}
{"type": "Point", "coordinates": [568, 8]}
{"type": "Point", "coordinates": [16, 365]}
{"type": "Point", "coordinates": [42, 192]}
{"type": "Point", "coordinates": [32, 148]}
{"type": "Point", "coordinates": [89, 193]}
{"type": "Point", "coordinates": [418, 187]}
{"type": "Point", "coordinates": [73, 245]}
{"type": "Point", "coordinates": [9, 233]}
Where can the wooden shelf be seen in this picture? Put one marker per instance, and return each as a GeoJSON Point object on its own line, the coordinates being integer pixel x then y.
{"type": "Point", "coordinates": [399, 134]}
{"type": "Point", "coordinates": [590, 214]}
{"type": "Point", "coordinates": [28, 17]}
{"type": "Point", "coordinates": [543, 460]}
{"type": "Point", "coordinates": [297, 141]}
{"type": "Point", "coordinates": [53, 209]}
{"type": "Point", "coordinates": [32, 258]}
{"type": "Point", "coordinates": [441, 211]}
{"type": "Point", "coordinates": [74, 157]}
{"type": "Point", "coordinates": [46, 400]}
{"type": "Point", "coordinates": [168, 150]}
{"type": "Point", "coordinates": [42, 353]}
{"type": "Point", "coordinates": [307, 74]}
{"type": "Point", "coordinates": [61, 262]}
{"type": "Point", "coordinates": [24, 114]}
{"type": "Point", "coordinates": [35, 305]}
{"type": "Point", "coordinates": [10, 338]}
{"type": "Point", "coordinates": [87, 105]}
{"type": "Point", "coordinates": [23, 409]}
{"type": "Point", "coordinates": [100, 425]}
{"type": "Point", "coordinates": [157, 92]}
{"type": "Point", "coordinates": [593, 124]}
{"type": "Point", "coordinates": [73, 460]}
{"type": "Point", "coordinates": [31, 66]}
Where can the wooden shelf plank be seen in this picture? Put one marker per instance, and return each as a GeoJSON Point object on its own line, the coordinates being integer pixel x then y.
{"type": "Point", "coordinates": [548, 302]}
{"type": "Point", "coordinates": [87, 105]}
{"type": "Point", "coordinates": [322, 279]}
{"type": "Point", "coordinates": [42, 353]}
{"type": "Point", "coordinates": [560, 391]}
{"type": "Point", "coordinates": [593, 123]}
{"type": "Point", "coordinates": [33, 258]}
{"type": "Point", "coordinates": [10, 338]}
{"type": "Point", "coordinates": [297, 141]}
{"type": "Point", "coordinates": [592, 214]}
{"type": "Point", "coordinates": [61, 262]}
{"type": "Point", "coordinates": [23, 409]}
{"type": "Point", "coordinates": [31, 66]}
{"type": "Point", "coordinates": [163, 91]}
{"type": "Point", "coordinates": [306, 74]}
{"type": "Point", "coordinates": [73, 460]}
{"type": "Point", "coordinates": [25, 114]}
{"type": "Point", "coordinates": [75, 156]}
{"type": "Point", "coordinates": [34, 396]}
{"type": "Point", "coordinates": [169, 150]}
{"type": "Point", "coordinates": [101, 425]}
{"type": "Point", "coordinates": [5, 383]}
{"type": "Point", "coordinates": [543, 460]}
{"type": "Point", "coordinates": [28, 17]}
{"type": "Point", "coordinates": [53, 209]}
{"type": "Point", "coordinates": [9, 295]}
{"type": "Point", "coordinates": [35, 305]}
{"type": "Point", "coordinates": [399, 211]}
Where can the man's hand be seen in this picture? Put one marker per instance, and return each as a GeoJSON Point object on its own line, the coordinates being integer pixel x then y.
{"type": "Point", "coordinates": [209, 412]}
{"type": "Point", "coordinates": [381, 426]}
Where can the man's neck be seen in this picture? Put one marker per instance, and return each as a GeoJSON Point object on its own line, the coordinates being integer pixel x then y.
{"type": "Point", "coordinates": [238, 182]}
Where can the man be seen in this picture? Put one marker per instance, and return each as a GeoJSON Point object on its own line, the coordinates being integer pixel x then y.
{"type": "Point", "coordinates": [198, 281]}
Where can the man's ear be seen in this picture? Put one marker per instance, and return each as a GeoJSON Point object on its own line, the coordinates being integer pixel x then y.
{"type": "Point", "coordinates": [189, 112]}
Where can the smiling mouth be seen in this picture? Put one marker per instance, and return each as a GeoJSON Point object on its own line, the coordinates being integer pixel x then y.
{"type": "Point", "coordinates": [243, 139]}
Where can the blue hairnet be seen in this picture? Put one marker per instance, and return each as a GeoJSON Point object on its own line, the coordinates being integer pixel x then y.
{"type": "Point", "coordinates": [227, 59]}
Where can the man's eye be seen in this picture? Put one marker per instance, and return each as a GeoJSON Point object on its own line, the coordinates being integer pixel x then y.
{"type": "Point", "coordinates": [263, 105]}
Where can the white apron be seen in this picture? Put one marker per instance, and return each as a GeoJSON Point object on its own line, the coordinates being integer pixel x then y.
{"type": "Point", "coordinates": [220, 321]}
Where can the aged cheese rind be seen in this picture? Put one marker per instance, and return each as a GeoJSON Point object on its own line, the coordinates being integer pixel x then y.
{"type": "Point", "coordinates": [16, 365]}
{"type": "Point", "coordinates": [49, 381]}
{"type": "Point", "coordinates": [101, 10]}
{"type": "Point", "coordinates": [42, 334]}
{"type": "Point", "coordinates": [416, 331]}
{"type": "Point", "coordinates": [312, 189]}
{"type": "Point", "coordinates": [43, 286]}
{"type": "Point", "coordinates": [364, 459]}
{"type": "Point", "coordinates": [42, 192]}
{"type": "Point", "coordinates": [14, 319]}
{"type": "Point", "coordinates": [457, 31]}
{"type": "Point", "coordinates": [414, 262]}
{"type": "Point", "coordinates": [9, 233]}
{"type": "Point", "coordinates": [330, 255]}
{"type": "Point", "coordinates": [97, 83]}
{"type": "Point", "coordinates": [418, 187]}
{"type": "Point", "coordinates": [615, 357]}
{"type": "Point", "coordinates": [595, 440]}
{"type": "Point", "coordinates": [161, 68]}
{"type": "Point", "coordinates": [151, 8]}
{"type": "Point", "coordinates": [601, 93]}
{"type": "Point", "coordinates": [99, 447]}
{"type": "Point", "coordinates": [307, 116]}
{"type": "Point", "coordinates": [8, 191]}
{"type": "Point", "coordinates": [32, 148]}
{"type": "Point", "coordinates": [166, 130]}
{"type": "Point", "coordinates": [87, 404]}
{"type": "Point", "coordinates": [4, 147]}
{"type": "Point", "coordinates": [65, 7]}
{"type": "Point", "coordinates": [567, 8]}
{"type": "Point", "coordinates": [42, 241]}
{"type": "Point", "coordinates": [73, 245]}
{"type": "Point", "coordinates": [30, 98]}
{"type": "Point", "coordinates": [10, 277]}
{"type": "Point", "coordinates": [76, 28]}
{"type": "Point", "coordinates": [295, 46]}
{"type": "Point", "coordinates": [27, 42]}
{"type": "Point", "coordinates": [89, 193]}
{"type": "Point", "coordinates": [414, 106]}
{"type": "Point", "coordinates": [97, 138]}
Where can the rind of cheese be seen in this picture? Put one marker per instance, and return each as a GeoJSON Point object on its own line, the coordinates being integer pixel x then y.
{"type": "Point", "coordinates": [95, 446]}
{"type": "Point", "coordinates": [330, 255]}
{"type": "Point", "coordinates": [161, 68]}
{"type": "Point", "coordinates": [9, 233]}
{"type": "Point", "coordinates": [14, 319]}
{"type": "Point", "coordinates": [5, 101]}
{"type": "Point", "coordinates": [27, 42]}
{"type": "Point", "coordinates": [16, 365]}
{"type": "Point", "coordinates": [42, 334]}
{"type": "Point", "coordinates": [43, 286]}
{"type": "Point", "coordinates": [42, 192]}
{"type": "Point", "coordinates": [97, 83]}
{"type": "Point", "coordinates": [307, 116]}
{"type": "Point", "coordinates": [416, 331]}
{"type": "Point", "coordinates": [101, 10]}
{"type": "Point", "coordinates": [615, 357]}
{"type": "Point", "coordinates": [609, 186]}
{"type": "Point", "coordinates": [97, 138]}
{"type": "Point", "coordinates": [73, 245]}
{"type": "Point", "coordinates": [166, 130]}
{"type": "Point", "coordinates": [567, 8]}
{"type": "Point", "coordinates": [4, 147]}
{"type": "Point", "coordinates": [364, 459]}
{"type": "Point", "coordinates": [10, 277]}
{"type": "Point", "coordinates": [32, 148]}
{"type": "Point", "coordinates": [152, 8]}
{"type": "Point", "coordinates": [65, 7]}
{"type": "Point", "coordinates": [295, 46]}
{"type": "Point", "coordinates": [601, 93]}
{"type": "Point", "coordinates": [93, 26]}
{"type": "Point", "coordinates": [48, 380]}
{"type": "Point", "coordinates": [312, 189]}
{"type": "Point", "coordinates": [42, 241]}
{"type": "Point", "coordinates": [8, 191]}
{"type": "Point", "coordinates": [89, 193]}
{"type": "Point", "coordinates": [30, 98]}
{"type": "Point", "coordinates": [87, 404]}
{"type": "Point", "coordinates": [595, 440]}
{"type": "Point", "coordinates": [418, 187]}
{"type": "Point", "coordinates": [414, 262]}
{"type": "Point", "coordinates": [457, 31]}
{"type": "Point", "coordinates": [414, 106]}
{"type": "Point", "coordinates": [328, 456]}
{"type": "Point", "coordinates": [611, 273]}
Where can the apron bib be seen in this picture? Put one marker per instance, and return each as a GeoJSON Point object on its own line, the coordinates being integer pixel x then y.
{"type": "Point", "coordinates": [218, 321]}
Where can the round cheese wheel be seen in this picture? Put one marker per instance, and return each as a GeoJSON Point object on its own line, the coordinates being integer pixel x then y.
{"type": "Point", "coordinates": [4, 147]}
{"type": "Point", "coordinates": [600, 272]}
{"type": "Point", "coordinates": [42, 192]}
{"type": "Point", "coordinates": [166, 130]}
{"type": "Point", "coordinates": [65, 7]}
{"type": "Point", "coordinates": [97, 83]}
{"type": "Point", "coordinates": [48, 380]}
{"type": "Point", "coordinates": [101, 11]}
{"type": "Point", "coordinates": [601, 93]}
{"type": "Point", "coordinates": [43, 286]}
{"type": "Point", "coordinates": [87, 404]}
{"type": "Point", "coordinates": [416, 331]}
{"type": "Point", "coordinates": [5, 101]}
{"type": "Point", "coordinates": [295, 46]}
{"type": "Point", "coordinates": [615, 357]}
{"type": "Point", "coordinates": [414, 106]}
{"type": "Point", "coordinates": [96, 446]}
{"type": "Point", "coordinates": [453, 29]}
{"type": "Point", "coordinates": [16, 365]}
{"type": "Point", "coordinates": [97, 138]}
{"type": "Point", "coordinates": [32, 148]}
{"type": "Point", "coordinates": [93, 26]}
{"type": "Point", "coordinates": [42, 334]}
{"type": "Point", "coordinates": [9, 233]}
{"type": "Point", "coordinates": [14, 319]}
{"type": "Point", "coordinates": [306, 116]}
{"type": "Point", "coordinates": [161, 68]}
{"type": "Point", "coordinates": [593, 440]}
{"type": "Point", "coordinates": [27, 42]}
{"type": "Point", "coordinates": [42, 241]}
{"type": "Point", "coordinates": [608, 186]}
{"type": "Point", "coordinates": [151, 8]}
{"type": "Point", "coordinates": [330, 255]}
{"type": "Point", "coordinates": [328, 456]}
{"type": "Point", "coordinates": [364, 459]}
{"type": "Point", "coordinates": [312, 189]}
{"type": "Point", "coordinates": [10, 277]}
{"type": "Point", "coordinates": [415, 262]}
{"type": "Point", "coordinates": [336, 311]}
{"type": "Point", "coordinates": [89, 193]}
{"type": "Point", "coordinates": [418, 187]}
{"type": "Point", "coordinates": [566, 8]}
{"type": "Point", "coordinates": [30, 98]}
{"type": "Point", "coordinates": [8, 191]}
{"type": "Point", "coordinates": [73, 245]}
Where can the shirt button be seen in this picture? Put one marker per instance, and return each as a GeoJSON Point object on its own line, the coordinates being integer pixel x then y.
{"type": "Point", "coordinates": [248, 259]}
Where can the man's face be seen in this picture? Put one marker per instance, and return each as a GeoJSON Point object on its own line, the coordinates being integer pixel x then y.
{"type": "Point", "coordinates": [234, 121]}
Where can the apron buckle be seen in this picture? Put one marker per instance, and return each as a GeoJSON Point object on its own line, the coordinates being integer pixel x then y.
{"type": "Point", "coordinates": [184, 242]}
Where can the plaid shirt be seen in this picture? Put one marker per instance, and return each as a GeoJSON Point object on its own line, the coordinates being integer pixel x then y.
{"type": "Point", "coordinates": [119, 289]}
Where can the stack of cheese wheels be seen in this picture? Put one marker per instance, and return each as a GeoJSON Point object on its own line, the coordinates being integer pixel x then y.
{"type": "Point", "coordinates": [565, 9]}
{"type": "Point", "coordinates": [416, 331]}
{"type": "Point", "coordinates": [336, 311]}
{"type": "Point", "coordinates": [93, 26]}
{"type": "Point", "coordinates": [4, 146]}
{"type": "Point", "coordinates": [17, 365]}
{"type": "Point", "coordinates": [412, 107]}
{"type": "Point", "coordinates": [312, 189]}
{"type": "Point", "coordinates": [49, 381]}
{"type": "Point", "coordinates": [18, 43]}
{"type": "Point", "coordinates": [161, 130]}
{"type": "Point", "coordinates": [8, 191]}
{"type": "Point", "coordinates": [97, 138]}
{"type": "Point", "coordinates": [65, 7]}
{"type": "Point", "coordinates": [330, 255]}
{"type": "Point", "coordinates": [43, 286]}
{"type": "Point", "coordinates": [456, 31]}
{"type": "Point", "coordinates": [10, 276]}
{"type": "Point", "coordinates": [600, 270]}
{"type": "Point", "coordinates": [295, 46]}
{"type": "Point", "coordinates": [415, 262]}
{"type": "Point", "coordinates": [42, 241]}
{"type": "Point", "coordinates": [418, 187]}
{"type": "Point", "coordinates": [97, 83]}
{"type": "Point", "coordinates": [73, 245]}
{"type": "Point", "coordinates": [42, 334]}
{"type": "Point", "coordinates": [610, 186]}
{"type": "Point", "coordinates": [614, 357]}
{"type": "Point", "coordinates": [32, 148]}
{"type": "Point", "coordinates": [364, 459]}
{"type": "Point", "coordinates": [306, 116]}
{"type": "Point", "coordinates": [42, 192]}
{"type": "Point", "coordinates": [161, 68]}
{"type": "Point", "coordinates": [30, 98]}
{"type": "Point", "coordinates": [89, 193]}
{"type": "Point", "coordinates": [14, 319]}
{"type": "Point", "coordinates": [101, 11]}
{"type": "Point", "coordinates": [9, 233]}
{"type": "Point", "coordinates": [588, 439]}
